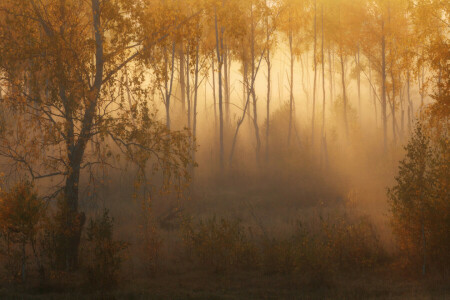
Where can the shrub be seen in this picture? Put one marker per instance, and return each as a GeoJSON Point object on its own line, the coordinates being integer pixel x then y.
{"type": "Point", "coordinates": [20, 213]}
{"type": "Point", "coordinates": [319, 251]}
{"type": "Point", "coordinates": [220, 245]}
{"type": "Point", "coordinates": [103, 254]}
{"type": "Point", "coordinates": [151, 240]}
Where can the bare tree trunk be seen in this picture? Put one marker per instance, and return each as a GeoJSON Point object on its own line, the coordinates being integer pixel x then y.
{"type": "Point", "coordinates": [315, 75]}
{"type": "Point", "coordinates": [383, 86]}
{"type": "Point", "coordinates": [268, 88]}
{"type": "Point", "coordinates": [410, 107]}
{"type": "Point", "coordinates": [213, 74]}
{"type": "Point", "coordinates": [219, 59]}
{"type": "Point", "coordinates": [358, 80]}
{"type": "Point", "coordinates": [188, 89]}
{"type": "Point", "coordinates": [394, 122]}
{"type": "Point", "coordinates": [226, 85]}
{"type": "Point", "coordinates": [291, 83]}
{"type": "Point", "coordinates": [331, 74]}
{"type": "Point", "coordinates": [194, 116]}
{"type": "Point", "coordinates": [401, 98]}
{"type": "Point", "coordinates": [169, 85]}
{"type": "Point", "coordinates": [421, 86]}
{"type": "Point", "coordinates": [250, 93]}
{"type": "Point", "coordinates": [182, 80]}
{"type": "Point", "coordinates": [344, 94]}
{"type": "Point", "coordinates": [322, 135]}
{"type": "Point", "coordinates": [255, 106]}
{"type": "Point", "coordinates": [304, 86]}
{"type": "Point", "coordinates": [373, 96]}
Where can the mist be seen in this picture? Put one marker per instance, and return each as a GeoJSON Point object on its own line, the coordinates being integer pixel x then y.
{"type": "Point", "coordinates": [224, 149]}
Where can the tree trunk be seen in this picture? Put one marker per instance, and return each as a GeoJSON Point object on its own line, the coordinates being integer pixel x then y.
{"type": "Point", "coordinates": [331, 74]}
{"type": "Point", "coordinates": [344, 94]}
{"type": "Point", "coordinates": [255, 106]}
{"type": "Point", "coordinates": [73, 221]}
{"type": "Point", "coordinates": [358, 81]}
{"type": "Point", "coordinates": [322, 135]}
{"type": "Point", "coordinates": [394, 121]}
{"type": "Point", "coordinates": [219, 59]}
{"type": "Point", "coordinates": [169, 85]}
{"type": "Point", "coordinates": [194, 116]}
{"type": "Point", "coordinates": [213, 74]}
{"type": "Point", "coordinates": [291, 83]}
{"type": "Point", "coordinates": [182, 80]}
{"type": "Point", "coordinates": [226, 84]}
{"type": "Point", "coordinates": [268, 103]}
{"type": "Point", "coordinates": [188, 89]}
{"type": "Point", "coordinates": [383, 86]}
{"type": "Point", "coordinates": [315, 76]}
{"type": "Point", "coordinates": [410, 107]}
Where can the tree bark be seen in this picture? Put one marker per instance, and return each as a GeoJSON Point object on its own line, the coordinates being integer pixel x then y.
{"type": "Point", "coordinates": [315, 75]}
{"type": "Point", "coordinates": [291, 83]}
{"type": "Point", "coordinates": [182, 80]}
{"type": "Point", "coordinates": [322, 148]}
{"type": "Point", "coordinates": [383, 86]}
{"type": "Point", "coordinates": [255, 106]}
{"type": "Point", "coordinates": [268, 95]}
{"type": "Point", "coordinates": [358, 81]}
{"type": "Point", "coordinates": [219, 59]}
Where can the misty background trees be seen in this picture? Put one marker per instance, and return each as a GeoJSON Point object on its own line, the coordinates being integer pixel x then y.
{"type": "Point", "coordinates": [302, 92]}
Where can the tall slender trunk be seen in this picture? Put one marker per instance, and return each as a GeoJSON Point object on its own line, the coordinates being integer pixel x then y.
{"type": "Point", "coordinates": [226, 85]}
{"type": "Point", "coordinates": [383, 86]}
{"type": "Point", "coordinates": [291, 83]}
{"type": "Point", "coordinates": [169, 84]}
{"type": "Point", "coordinates": [194, 115]}
{"type": "Point", "coordinates": [250, 94]}
{"type": "Point", "coordinates": [304, 86]}
{"type": "Point", "coordinates": [373, 96]}
{"type": "Point", "coordinates": [182, 80]}
{"type": "Point", "coordinates": [401, 98]}
{"type": "Point", "coordinates": [219, 59]}
{"type": "Point", "coordinates": [268, 88]}
{"type": "Point", "coordinates": [322, 135]}
{"type": "Point", "coordinates": [188, 89]}
{"type": "Point", "coordinates": [315, 75]}
{"type": "Point", "coordinates": [410, 107]}
{"type": "Point", "coordinates": [421, 86]}
{"type": "Point", "coordinates": [331, 74]}
{"type": "Point", "coordinates": [213, 74]}
{"type": "Point", "coordinates": [344, 94]}
{"type": "Point", "coordinates": [358, 80]}
{"type": "Point", "coordinates": [255, 106]}
{"type": "Point", "coordinates": [394, 121]}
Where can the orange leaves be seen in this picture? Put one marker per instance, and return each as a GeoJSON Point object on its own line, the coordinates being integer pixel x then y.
{"type": "Point", "coordinates": [20, 212]}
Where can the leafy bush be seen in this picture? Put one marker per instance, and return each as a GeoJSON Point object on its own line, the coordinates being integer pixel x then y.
{"type": "Point", "coordinates": [316, 250]}
{"type": "Point", "coordinates": [220, 245]}
{"type": "Point", "coordinates": [21, 211]}
{"type": "Point", "coordinates": [103, 254]}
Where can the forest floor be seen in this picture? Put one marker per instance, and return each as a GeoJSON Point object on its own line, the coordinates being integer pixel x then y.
{"type": "Point", "coordinates": [201, 285]}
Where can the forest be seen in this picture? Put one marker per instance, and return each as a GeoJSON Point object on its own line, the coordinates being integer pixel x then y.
{"type": "Point", "coordinates": [224, 149]}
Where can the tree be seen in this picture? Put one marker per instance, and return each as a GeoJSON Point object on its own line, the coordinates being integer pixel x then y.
{"type": "Point", "coordinates": [294, 22]}
{"type": "Point", "coordinates": [420, 202]}
{"type": "Point", "coordinates": [61, 63]}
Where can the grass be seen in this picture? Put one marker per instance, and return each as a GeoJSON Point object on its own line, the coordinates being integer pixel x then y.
{"type": "Point", "coordinates": [250, 285]}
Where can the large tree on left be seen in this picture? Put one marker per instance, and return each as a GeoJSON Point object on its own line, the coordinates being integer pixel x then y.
{"type": "Point", "coordinates": [63, 81]}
